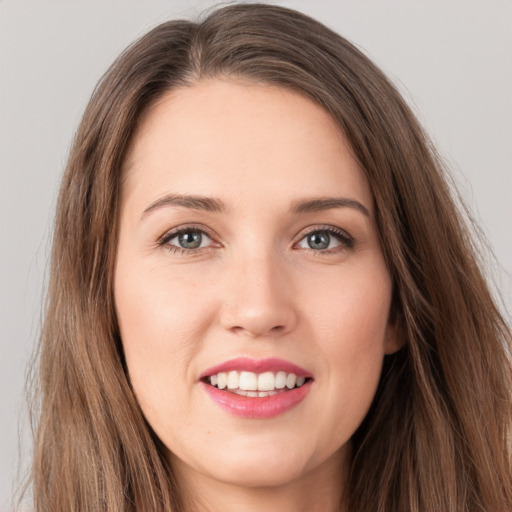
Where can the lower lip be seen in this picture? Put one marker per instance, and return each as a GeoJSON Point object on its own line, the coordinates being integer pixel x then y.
{"type": "Point", "coordinates": [257, 407]}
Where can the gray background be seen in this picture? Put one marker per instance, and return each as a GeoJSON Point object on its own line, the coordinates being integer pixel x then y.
{"type": "Point", "coordinates": [452, 60]}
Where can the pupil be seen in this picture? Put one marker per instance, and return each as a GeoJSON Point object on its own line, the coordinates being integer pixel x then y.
{"type": "Point", "coordinates": [318, 241]}
{"type": "Point", "coordinates": [190, 240]}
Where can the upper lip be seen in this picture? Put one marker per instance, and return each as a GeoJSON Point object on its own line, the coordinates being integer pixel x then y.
{"type": "Point", "coordinates": [272, 364]}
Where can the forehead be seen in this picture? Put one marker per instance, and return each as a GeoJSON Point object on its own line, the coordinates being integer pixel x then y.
{"type": "Point", "coordinates": [221, 137]}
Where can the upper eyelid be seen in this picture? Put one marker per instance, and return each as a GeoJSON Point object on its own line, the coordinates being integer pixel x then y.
{"type": "Point", "coordinates": [171, 233]}
{"type": "Point", "coordinates": [325, 227]}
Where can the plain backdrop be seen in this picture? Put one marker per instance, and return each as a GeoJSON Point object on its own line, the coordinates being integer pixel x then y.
{"type": "Point", "coordinates": [451, 60]}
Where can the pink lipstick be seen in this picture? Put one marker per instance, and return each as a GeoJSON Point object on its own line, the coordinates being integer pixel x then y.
{"type": "Point", "coordinates": [256, 388]}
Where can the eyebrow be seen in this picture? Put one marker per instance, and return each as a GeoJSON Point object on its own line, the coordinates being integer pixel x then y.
{"type": "Point", "coordinates": [209, 204]}
{"type": "Point", "coordinates": [327, 203]}
{"type": "Point", "coordinates": [212, 204]}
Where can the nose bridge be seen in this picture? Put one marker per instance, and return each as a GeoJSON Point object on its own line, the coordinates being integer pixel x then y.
{"type": "Point", "coordinates": [256, 299]}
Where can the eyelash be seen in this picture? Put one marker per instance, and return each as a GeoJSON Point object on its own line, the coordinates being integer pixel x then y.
{"type": "Point", "coordinates": [164, 240]}
{"type": "Point", "coordinates": [346, 240]}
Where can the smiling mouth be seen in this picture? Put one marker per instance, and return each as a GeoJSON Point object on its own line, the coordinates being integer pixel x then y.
{"type": "Point", "coordinates": [251, 384]}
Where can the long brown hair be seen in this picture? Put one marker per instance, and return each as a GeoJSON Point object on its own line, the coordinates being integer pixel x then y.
{"type": "Point", "coordinates": [437, 437]}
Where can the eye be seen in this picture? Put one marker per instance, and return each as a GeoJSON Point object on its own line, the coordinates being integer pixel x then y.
{"type": "Point", "coordinates": [189, 240]}
{"type": "Point", "coordinates": [326, 239]}
{"type": "Point", "coordinates": [186, 239]}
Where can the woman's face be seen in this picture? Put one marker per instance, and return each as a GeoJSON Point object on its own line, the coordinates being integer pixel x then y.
{"type": "Point", "coordinates": [248, 254]}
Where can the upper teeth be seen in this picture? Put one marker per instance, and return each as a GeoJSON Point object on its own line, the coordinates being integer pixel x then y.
{"type": "Point", "coordinates": [249, 381]}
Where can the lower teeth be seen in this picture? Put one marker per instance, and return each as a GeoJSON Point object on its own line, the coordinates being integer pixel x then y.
{"type": "Point", "coordinates": [255, 394]}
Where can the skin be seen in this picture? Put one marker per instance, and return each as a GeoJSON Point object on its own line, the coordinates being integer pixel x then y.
{"type": "Point", "coordinates": [254, 288]}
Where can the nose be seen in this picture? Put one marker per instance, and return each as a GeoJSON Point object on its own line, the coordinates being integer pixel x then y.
{"type": "Point", "coordinates": [258, 299]}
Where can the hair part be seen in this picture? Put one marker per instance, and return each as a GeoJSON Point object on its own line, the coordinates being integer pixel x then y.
{"type": "Point", "coordinates": [438, 434]}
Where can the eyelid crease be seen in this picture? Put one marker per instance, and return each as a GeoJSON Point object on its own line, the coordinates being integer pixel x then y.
{"type": "Point", "coordinates": [329, 228]}
{"type": "Point", "coordinates": [169, 235]}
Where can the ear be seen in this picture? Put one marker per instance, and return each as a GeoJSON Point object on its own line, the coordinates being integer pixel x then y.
{"type": "Point", "coordinates": [394, 338]}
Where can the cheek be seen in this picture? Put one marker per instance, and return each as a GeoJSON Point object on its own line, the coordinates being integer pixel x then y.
{"type": "Point", "coordinates": [161, 327]}
{"type": "Point", "coordinates": [157, 310]}
{"type": "Point", "coordinates": [352, 329]}
{"type": "Point", "coordinates": [351, 314]}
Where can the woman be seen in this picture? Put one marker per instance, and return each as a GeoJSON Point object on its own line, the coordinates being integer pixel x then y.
{"type": "Point", "coordinates": [262, 296]}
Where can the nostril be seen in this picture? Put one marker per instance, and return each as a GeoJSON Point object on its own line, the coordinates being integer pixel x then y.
{"type": "Point", "coordinates": [278, 329]}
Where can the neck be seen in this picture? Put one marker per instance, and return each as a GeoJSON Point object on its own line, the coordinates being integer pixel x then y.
{"type": "Point", "coordinates": [320, 490]}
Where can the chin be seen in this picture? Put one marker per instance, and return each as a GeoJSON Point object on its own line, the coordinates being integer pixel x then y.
{"type": "Point", "coordinates": [261, 465]}
{"type": "Point", "coordinates": [259, 475]}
